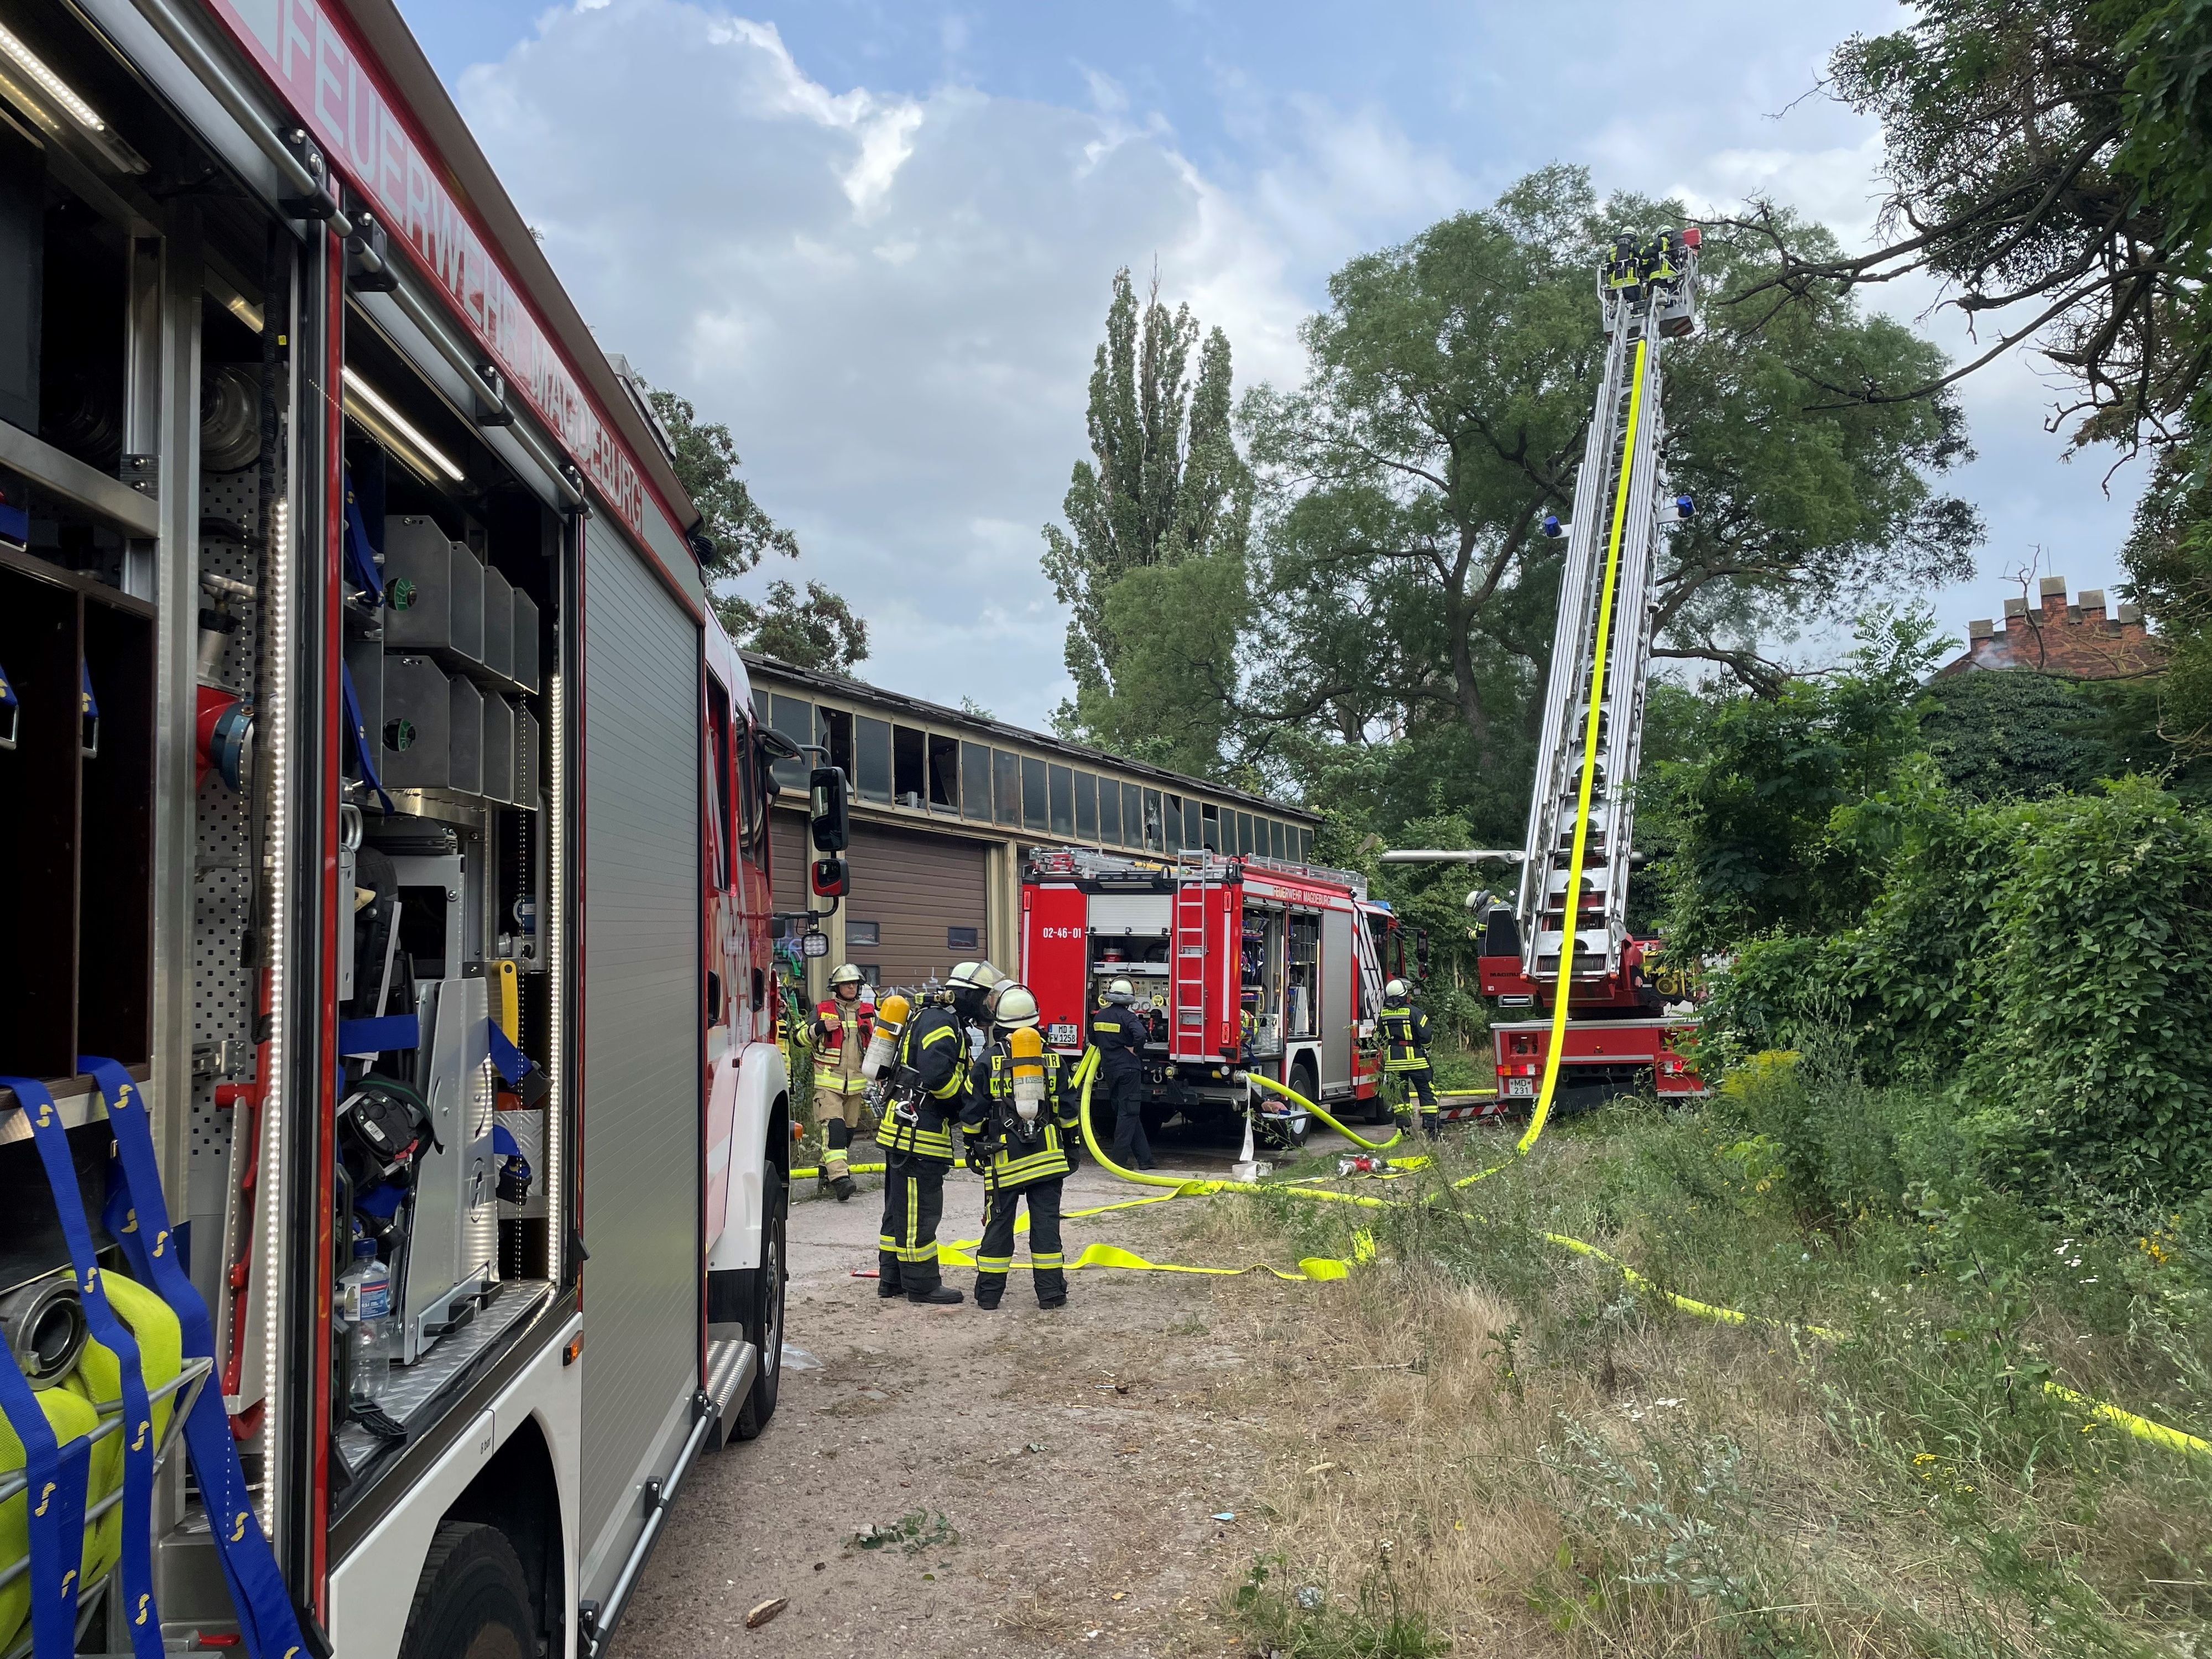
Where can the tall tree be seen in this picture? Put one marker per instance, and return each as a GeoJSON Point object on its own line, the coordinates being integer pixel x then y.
{"type": "Point", "coordinates": [1409, 596]}
{"type": "Point", "coordinates": [816, 628]}
{"type": "Point", "coordinates": [2017, 181]}
{"type": "Point", "coordinates": [1151, 562]}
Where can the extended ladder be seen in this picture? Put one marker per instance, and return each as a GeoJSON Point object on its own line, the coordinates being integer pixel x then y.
{"type": "Point", "coordinates": [1647, 294]}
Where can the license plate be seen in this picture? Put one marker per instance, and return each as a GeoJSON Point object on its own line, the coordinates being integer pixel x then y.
{"type": "Point", "coordinates": [1520, 1086]}
{"type": "Point", "coordinates": [1062, 1035]}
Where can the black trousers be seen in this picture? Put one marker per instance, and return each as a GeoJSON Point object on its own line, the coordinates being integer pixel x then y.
{"type": "Point", "coordinates": [1132, 1150]}
{"type": "Point", "coordinates": [1422, 1082]}
{"type": "Point", "coordinates": [913, 1203]}
{"type": "Point", "coordinates": [996, 1252]}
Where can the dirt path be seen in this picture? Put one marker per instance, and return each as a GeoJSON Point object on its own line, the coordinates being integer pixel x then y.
{"type": "Point", "coordinates": [1078, 1456]}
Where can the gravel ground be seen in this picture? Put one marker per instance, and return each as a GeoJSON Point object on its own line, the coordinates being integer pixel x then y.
{"type": "Point", "coordinates": [1057, 1473]}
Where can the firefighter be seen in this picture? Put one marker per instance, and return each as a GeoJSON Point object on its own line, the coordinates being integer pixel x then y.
{"type": "Point", "coordinates": [1119, 1032]}
{"type": "Point", "coordinates": [929, 1085]}
{"type": "Point", "coordinates": [1406, 1047]}
{"type": "Point", "coordinates": [1022, 1135]}
{"type": "Point", "coordinates": [843, 1022]}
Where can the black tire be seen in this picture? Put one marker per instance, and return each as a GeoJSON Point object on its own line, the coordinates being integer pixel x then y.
{"type": "Point", "coordinates": [764, 1328]}
{"type": "Point", "coordinates": [472, 1602]}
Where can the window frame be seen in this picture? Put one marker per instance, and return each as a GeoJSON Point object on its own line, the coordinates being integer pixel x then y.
{"type": "Point", "coordinates": [866, 731]}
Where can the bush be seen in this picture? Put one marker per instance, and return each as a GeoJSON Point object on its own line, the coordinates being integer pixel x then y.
{"type": "Point", "coordinates": [2046, 966]}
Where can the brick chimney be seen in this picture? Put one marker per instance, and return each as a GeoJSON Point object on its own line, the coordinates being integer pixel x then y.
{"type": "Point", "coordinates": [2086, 640]}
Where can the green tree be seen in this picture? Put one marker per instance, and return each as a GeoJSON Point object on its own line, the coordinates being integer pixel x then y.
{"type": "Point", "coordinates": [815, 628]}
{"type": "Point", "coordinates": [705, 457]}
{"type": "Point", "coordinates": [1408, 596]}
{"type": "Point", "coordinates": [1746, 814]}
{"type": "Point", "coordinates": [1151, 562]}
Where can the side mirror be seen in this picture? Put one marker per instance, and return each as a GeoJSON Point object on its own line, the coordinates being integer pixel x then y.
{"type": "Point", "coordinates": [832, 875]}
{"type": "Point", "coordinates": [828, 814]}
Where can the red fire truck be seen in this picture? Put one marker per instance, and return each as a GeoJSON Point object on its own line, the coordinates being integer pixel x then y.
{"type": "Point", "coordinates": [1245, 963]}
{"type": "Point", "coordinates": [387, 853]}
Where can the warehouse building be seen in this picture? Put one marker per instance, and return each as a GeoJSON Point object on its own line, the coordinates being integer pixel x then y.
{"type": "Point", "coordinates": [946, 805]}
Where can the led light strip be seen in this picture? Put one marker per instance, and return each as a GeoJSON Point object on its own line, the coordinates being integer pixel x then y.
{"type": "Point", "coordinates": [278, 751]}
{"type": "Point", "coordinates": [399, 424]}
{"type": "Point", "coordinates": [556, 809]}
{"type": "Point", "coordinates": [51, 84]}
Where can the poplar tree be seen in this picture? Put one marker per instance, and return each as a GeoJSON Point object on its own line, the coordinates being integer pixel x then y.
{"type": "Point", "coordinates": [1150, 563]}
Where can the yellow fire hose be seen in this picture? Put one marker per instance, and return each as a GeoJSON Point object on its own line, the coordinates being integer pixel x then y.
{"type": "Point", "coordinates": [1293, 1096]}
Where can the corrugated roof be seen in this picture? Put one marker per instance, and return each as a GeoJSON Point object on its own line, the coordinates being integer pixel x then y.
{"type": "Point", "coordinates": [764, 667]}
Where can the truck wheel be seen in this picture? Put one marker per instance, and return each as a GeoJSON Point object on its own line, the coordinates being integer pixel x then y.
{"type": "Point", "coordinates": [1293, 1130]}
{"type": "Point", "coordinates": [471, 1601]}
{"type": "Point", "coordinates": [764, 1328]}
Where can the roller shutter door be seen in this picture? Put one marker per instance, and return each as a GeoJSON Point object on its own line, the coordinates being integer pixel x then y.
{"type": "Point", "coordinates": [916, 889]}
{"type": "Point", "coordinates": [641, 1105]}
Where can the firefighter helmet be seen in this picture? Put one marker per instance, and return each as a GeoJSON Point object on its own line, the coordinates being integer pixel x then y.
{"type": "Point", "coordinates": [971, 982]}
{"type": "Point", "coordinates": [1121, 987]}
{"type": "Point", "coordinates": [1396, 991]}
{"type": "Point", "coordinates": [1012, 1005]}
{"type": "Point", "coordinates": [846, 975]}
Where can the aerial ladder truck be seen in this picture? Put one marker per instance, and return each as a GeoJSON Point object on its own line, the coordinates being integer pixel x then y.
{"type": "Point", "coordinates": [1598, 1023]}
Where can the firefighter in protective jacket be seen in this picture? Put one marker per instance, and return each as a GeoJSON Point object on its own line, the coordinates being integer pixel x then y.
{"type": "Point", "coordinates": [1406, 1047]}
{"type": "Point", "coordinates": [1119, 1032]}
{"type": "Point", "coordinates": [843, 1022]}
{"type": "Point", "coordinates": [929, 1086]}
{"type": "Point", "coordinates": [1023, 1138]}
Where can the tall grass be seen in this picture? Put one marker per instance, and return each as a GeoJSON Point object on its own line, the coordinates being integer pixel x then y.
{"type": "Point", "coordinates": [1574, 1466]}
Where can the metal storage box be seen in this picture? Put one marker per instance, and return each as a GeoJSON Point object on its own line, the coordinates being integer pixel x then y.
{"type": "Point", "coordinates": [498, 624]}
{"type": "Point", "coordinates": [498, 748]}
{"type": "Point", "coordinates": [524, 640]}
{"type": "Point", "coordinates": [415, 744]}
{"type": "Point", "coordinates": [465, 773]}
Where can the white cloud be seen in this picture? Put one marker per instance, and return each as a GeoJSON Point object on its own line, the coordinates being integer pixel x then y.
{"type": "Point", "coordinates": [893, 302]}
{"type": "Point", "coordinates": [893, 297]}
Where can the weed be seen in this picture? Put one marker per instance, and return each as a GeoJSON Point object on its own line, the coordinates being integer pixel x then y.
{"type": "Point", "coordinates": [913, 1532]}
{"type": "Point", "coordinates": [1299, 1620]}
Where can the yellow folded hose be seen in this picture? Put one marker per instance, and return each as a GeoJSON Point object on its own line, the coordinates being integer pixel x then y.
{"type": "Point", "coordinates": [1352, 1135]}
{"type": "Point", "coordinates": [99, 1378]}
{"type": "Point", "coordinates": [72, 1418]}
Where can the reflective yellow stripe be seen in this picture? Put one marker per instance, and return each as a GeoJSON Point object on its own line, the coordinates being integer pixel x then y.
{"type": "Point", "coordinates": [994, 1264]}
{"type": "Point", "coordinates": [939, 1033]}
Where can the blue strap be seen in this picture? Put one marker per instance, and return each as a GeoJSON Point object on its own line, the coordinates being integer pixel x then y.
{"type": "Point", "coordinates": [137, 1425]}
{"type": "Point", "coordinates": [362, 748]}
{"type": "Point", "coordinates": [55, 1498]}
{"type": "Point", "coordinates": [91, 708]}
{"type": "Point", "coordinates": [7, 691]}
{"type": "Point", "coordinates": [360, 556]}
{"type": "Point", "coordinates": [503, 1143]}
{"type": "Point", "coordinates": [377, 1036]}
{"type": "Point", "coordinates": [512, 1063]}
{"type": "Point", "coordinates": [137, 1217]}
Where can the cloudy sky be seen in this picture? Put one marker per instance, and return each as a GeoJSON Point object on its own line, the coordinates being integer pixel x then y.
{"type": "Point", "coordinates": [875, 237]}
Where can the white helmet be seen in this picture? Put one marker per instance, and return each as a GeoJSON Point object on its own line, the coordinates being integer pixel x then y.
{"type": "Point", "coordinates": [846, 975]}
{"type": "Point", "coordinates": [1396, 991]}
{"type": "Point", "coordinates": [1012, 1004]}
{"type": "Point", "coordinates": [971, 982]}
{"type": "Point", "coordinates": [1121, 987]}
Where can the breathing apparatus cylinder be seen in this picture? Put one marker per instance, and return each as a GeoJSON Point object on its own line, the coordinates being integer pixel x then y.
{"type": "Point", "coordinates": [1027, 1047]}
{"type": "Point", "coordinates": [882, 1043]}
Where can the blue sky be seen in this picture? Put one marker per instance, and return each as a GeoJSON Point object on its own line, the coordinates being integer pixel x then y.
{"type": "Point", "coordinates": [876, 237]}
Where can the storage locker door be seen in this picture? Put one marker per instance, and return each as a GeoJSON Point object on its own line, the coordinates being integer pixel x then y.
{"type": "Point", "coordinates": [1337, 968]}
{"type": "Point", "coordinates": [641, 1064]}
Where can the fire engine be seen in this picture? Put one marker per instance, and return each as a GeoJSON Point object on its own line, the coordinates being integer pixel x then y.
{"type": "Point", "coordinates": [1624, 1026]}
{"type": "Point", "coordinates": [391, 1125]}
{"type": "Point", "coordinates": [1245, 964]}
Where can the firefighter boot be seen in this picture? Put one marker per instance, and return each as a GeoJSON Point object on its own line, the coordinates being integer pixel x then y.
{"type": "Point", "coordinates": [940, 1295]}
{"type": "Point", "coordinates": [887, 1283]}
{"type": "Point", "coordinates": [836, 1136]}
{"type": "Point", "coordinates": [843, 1187]}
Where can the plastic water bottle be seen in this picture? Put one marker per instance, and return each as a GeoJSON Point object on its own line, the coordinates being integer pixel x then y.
{"type": "Point", "coordinates": [368, 1307]}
